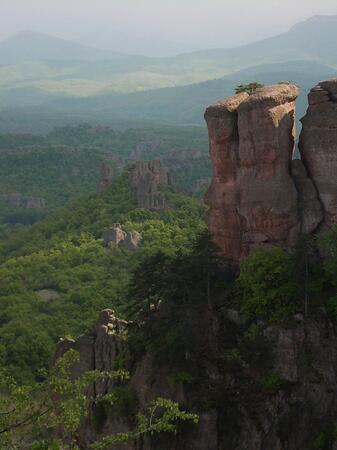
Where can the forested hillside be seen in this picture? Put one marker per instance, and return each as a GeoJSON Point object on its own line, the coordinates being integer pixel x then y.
{"type": "Point", "coordinates": [39, 174]}
{"type": "Point", "coordinates": [57, 274]}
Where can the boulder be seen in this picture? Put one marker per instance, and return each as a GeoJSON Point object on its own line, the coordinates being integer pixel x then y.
{"type": "Point", "coordinates": [132, 241]}
{"type": "Point", "coordinates": [114, 234]}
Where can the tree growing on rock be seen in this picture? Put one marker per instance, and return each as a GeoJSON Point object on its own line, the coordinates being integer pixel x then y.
{"type": "Point", "coordinates": [250, 88]}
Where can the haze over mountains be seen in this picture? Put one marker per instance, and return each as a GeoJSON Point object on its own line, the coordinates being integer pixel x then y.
{"type": "Point", "coordinates": [45, 79]}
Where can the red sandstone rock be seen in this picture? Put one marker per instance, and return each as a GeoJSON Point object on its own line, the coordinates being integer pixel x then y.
{"type": "Point", "coordinates": [318, 145]}
{"type": "Point", "coordinates": [252, 199]}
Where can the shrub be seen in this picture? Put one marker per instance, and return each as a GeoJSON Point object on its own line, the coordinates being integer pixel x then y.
{"type": "Point", "coordinates": [232, 358]}
{"type": "Point", "coordinates": [183, 378]}
{"type": "Point", "coordinates": [268, 289]}
{"type": "Point", "coordinates": [271, 383]}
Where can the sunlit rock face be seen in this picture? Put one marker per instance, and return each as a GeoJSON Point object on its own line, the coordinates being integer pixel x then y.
{"type": "Point", "coordinates": [253, 200]}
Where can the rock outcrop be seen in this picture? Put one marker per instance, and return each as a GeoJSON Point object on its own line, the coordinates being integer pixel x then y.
{"type": "Point", "coordinates": [318, 145]}
{"type": "Point", "coordinates": [259, 196]}
{"type": "Point", "coordinates": [115, 234]}
{"type": "Point", "coordinates": [132, 241]}
{"type": "Point", "coordinates": [98, 349]}
{"type": "Point", "coordinates": [147, 178]}
{"type": "Point", "coordinates": [106, 178]}
{"type": "Point", "coordinates": [252, 198]}
{"type": "Point", "coordinates": [279, 403]}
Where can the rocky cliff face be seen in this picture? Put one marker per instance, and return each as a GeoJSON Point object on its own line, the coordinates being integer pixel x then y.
{"type": "Point", "coordinates": [318, 145]}
{"type": "Point", "coordinates": [259, 196]}
{"type": "Point", "coordinates": [252, 198]}
{"type": "Point", "coordinates": [147, 178]}
{"type": "Point", "coordinates": [257, 386]}
{"type": "Point", "coordinates": [280, 405]}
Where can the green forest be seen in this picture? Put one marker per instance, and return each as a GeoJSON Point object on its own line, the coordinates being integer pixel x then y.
{"type": "Point", "coordinates": [168, 237]}
{"type": "Point", "coordinates": [66, 163]}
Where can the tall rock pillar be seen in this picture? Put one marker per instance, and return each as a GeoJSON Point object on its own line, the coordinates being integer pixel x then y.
{"type": "Point", "coordinates": [252, 199]}
{"type": "Point", "coordinates": [318, 146]}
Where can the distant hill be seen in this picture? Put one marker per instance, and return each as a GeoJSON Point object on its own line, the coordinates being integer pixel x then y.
{"type": "Point", "coordinates": [31, 46]}
{"type": "Point", "coordinates": [311, 40]}
{"type": "Point", "coordinates": [182, 105]}
{"type": "Point", "coordinates": [66, 69]}
{"type": "Point", "coordinates": [60, 82]}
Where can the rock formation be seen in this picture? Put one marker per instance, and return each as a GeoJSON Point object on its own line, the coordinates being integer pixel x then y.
{"type": "Point", "coordinates": [251, 414]}
{"type": "Point", "coordinates": [106, 178]}
{"type": "Point", "coordinates": [132, 241]}
{"type": "Point", "coordinates": [318, 145]}
{"type": "Point", "coordinates": [115, 234]}
{"type": "Point", "coordinates": [146, 179]}
{"type": "Point", "coordinates": [259, 196]}
{"type": "Point", "coordinates": [252, 198]}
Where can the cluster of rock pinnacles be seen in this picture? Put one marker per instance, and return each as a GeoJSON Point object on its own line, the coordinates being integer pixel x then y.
{"type": "Point", "coordinates": [260, 195]}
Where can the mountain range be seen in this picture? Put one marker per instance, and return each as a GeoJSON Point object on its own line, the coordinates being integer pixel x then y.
{"type": "Point", "coordinates": [50, 80]}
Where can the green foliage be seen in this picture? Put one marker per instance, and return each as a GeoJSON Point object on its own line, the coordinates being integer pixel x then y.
{"type": "Point", "coordinates": [267, 287]}
{"type": "Point", "coordinates": [31, 416]}
{"type": "Point", "coordinates": [38, 410]}
{"type": "Point", "coordinates": [271, 383]}
{"type": "Point", "coordinates": [64, 255]}
{"type": "Point", "coordinates": [170, 294]}
{"type": "Point", "coordinates": [326, 438]}
{"type": "Point", "coordinates": [249, 88]}
{"type": "Point", "coordinates": [66, 163]}
{"type": "Point", "coordinates": [183, 377]}
{"type": "Point", "coordinates": [125, 403]}
{"type": "Point", "coordinates": [232, 357]}
{"type": "Point", "coordinates": [160, 416]}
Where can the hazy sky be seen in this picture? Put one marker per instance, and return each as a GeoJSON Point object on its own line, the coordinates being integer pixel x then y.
{"type": "Point", "coordinates": [195, 23]}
